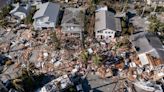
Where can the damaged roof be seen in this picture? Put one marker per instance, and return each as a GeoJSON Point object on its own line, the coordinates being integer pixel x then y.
{"type": "Point", "coordinates": [73, 16]}
{"type": "Point", "coordinates": [20, 8]}
{"type": "Point", "coordinates": [145, 42]}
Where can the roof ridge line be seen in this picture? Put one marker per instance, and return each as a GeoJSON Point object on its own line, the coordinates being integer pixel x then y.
{"type": "Point", "coordinates": [46, 7]}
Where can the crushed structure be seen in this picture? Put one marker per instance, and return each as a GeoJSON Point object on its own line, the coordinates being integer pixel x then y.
{"type": "Point", "coordinates": [73, 22]}
{"type": "Point", "coordinates": [20, 11]}
{"type": "Point", "coordinates": [148, 47]}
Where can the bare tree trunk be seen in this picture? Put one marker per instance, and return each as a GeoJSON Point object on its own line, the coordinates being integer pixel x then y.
{"type": "Point", "coordinates": [155, 7]}
{"type": "Point", "coordinates": [126, 3]}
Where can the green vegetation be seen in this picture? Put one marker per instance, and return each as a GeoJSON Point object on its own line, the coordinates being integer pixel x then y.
{"type": "Point", "coordinates": [89, 21]}
{"type": "Point", "coordinates": [3, 23]}
{"type": "Point", "coordinates": [72, 89]}
{"type": "Point", "coordinates": [127, 28]}
{"type": "Point", "coordinates": [159, 9]}
{"type": "Point", "coordinates": [84, 56]}
{"type": "Point", "coordinates": [155, 24]}
{"type": "Point", "coordinates": [97, 59]}
{"type": "Point", "coordinates": [55, 40]}
{"type": "Point", "coordinates": [28, 80]}
{"type": "Point", "coordinates": [17, 1]}
{"type": "Point", "coordinates": [139, 9]}
{"type": "Point", "coordinates": [4, 12]}
{"type": "Point", "coordinates": [28, 19]}
{"type": "Point", "coordinates": [95, 1]}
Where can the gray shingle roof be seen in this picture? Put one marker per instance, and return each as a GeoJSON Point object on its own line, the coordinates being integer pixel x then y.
{"type": "Point", "coordinates": [48, 9]}
{"type": "Point", "coordinates": [107, 20]}
{"type": "Point", "coordinates": [147, 42]}
{"type": "Point", "coordinates": [74, 16]}
{"type": "Point", "coordinates": [20, 8]}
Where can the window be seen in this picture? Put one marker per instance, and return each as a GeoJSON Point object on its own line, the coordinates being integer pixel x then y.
{"type": "Point", "coordinates": [98, 31]}
{"type": "Point", "coordinates": [47, 22]}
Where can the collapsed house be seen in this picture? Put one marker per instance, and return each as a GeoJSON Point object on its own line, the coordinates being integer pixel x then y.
{"type": "Point", "coordinates": [149, 48]}
{"type": "Point", "coordinates": [20, 11]}
{"type": "Point", "coordinates": [73, 22]}
{"type": "Point", "coordinates": [141, 86]}
{"type": "Point", "coordinates": [57, 84]}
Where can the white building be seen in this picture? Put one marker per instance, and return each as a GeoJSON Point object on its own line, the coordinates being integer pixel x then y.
{"type": "Point", "coordinates": [106, 25]}
{"type": "Point", "coordinates": [46, 16]}
{"type": "Point", "coordinates": [20, 11]}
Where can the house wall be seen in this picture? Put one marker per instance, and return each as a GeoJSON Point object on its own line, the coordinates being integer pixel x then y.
{"type": "Point", "coordinates": [21, 15]}
{"type": "Point", "coordinates": [105, 34]}
{"type": "Point", "coordinates": [43, 22]}
{"type": "Point", "coordinates": [72, 29]}
{"type": "Point", "coordinates": [143, 58]}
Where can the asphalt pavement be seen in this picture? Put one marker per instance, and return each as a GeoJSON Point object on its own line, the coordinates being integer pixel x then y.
{"type": "Point", "coordinates": [95, 84]}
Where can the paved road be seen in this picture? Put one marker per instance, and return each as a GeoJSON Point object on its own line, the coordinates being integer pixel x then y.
{"type": "Point", "coordinates": [95, 84]}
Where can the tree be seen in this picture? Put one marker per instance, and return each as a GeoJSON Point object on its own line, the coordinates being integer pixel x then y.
{"type": "Point", "coordinates": [125, 6]}
{"type": "Point", "coordinates": [130, 29]}
{"type": "Point", "coordinates": [84, 56]}
{"type": "Point", "coordinates": [25, 81]}
{"type": "Point", "coordinates": [124, 25]}
{"type": "Point", "coordinates": [155, 25]}
{"type": "Point", "coordinates": [95, 1]}
{"type": "Point", "coordinates": [17, 83]}
{"type": "Point", "coordinates": [55, 40]}
{"type": "Point", "coordinates": [161, 27]}
{"type": "Point", "coordinates": [6, 10]}
{"type": "Point", "coordinates": [17, 1]}
{"type": "Point", "coordinates": [3, 14]}
{"type": "Point", "coordinates": [28, 19]}
{"type": "Point", "coordinates": [3, 23]}
{"type": "Point", "coordinates": [97, 59]}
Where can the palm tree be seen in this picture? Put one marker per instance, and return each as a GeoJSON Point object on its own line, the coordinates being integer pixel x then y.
{"type": "Point", "coordinates": [3, 23]}
{"type": "Point", "coordinates": [125, 6]}
{"type": "Point", "coordinates": [17, 83]}
{"type": "Point", "coordinates": [97, 59]}
{"type": "Point", "coordinates": [155, 24]}
{"type": "Point", "coordinates": [84, 56]}
{"type": "Point", "coordinates": [55, 40]}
